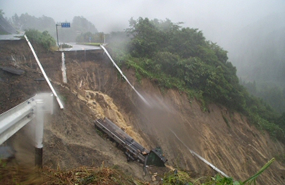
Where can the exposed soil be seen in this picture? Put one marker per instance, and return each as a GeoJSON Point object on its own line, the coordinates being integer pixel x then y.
{"type": "Point", "coordinates": [95, 90]}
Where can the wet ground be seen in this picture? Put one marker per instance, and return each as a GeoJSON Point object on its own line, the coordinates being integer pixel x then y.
{"type": "Point", "coordinates": [96, 90]}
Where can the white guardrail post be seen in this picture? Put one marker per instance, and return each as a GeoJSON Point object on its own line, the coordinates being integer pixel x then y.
{"type": "Point", "coordinates": [33, 110]}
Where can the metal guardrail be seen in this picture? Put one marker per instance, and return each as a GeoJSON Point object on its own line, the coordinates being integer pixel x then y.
{"type": "Point", "coordinates": [133, 149]}
{"type": "Point", "coordinates": [17, 117]}
{"type": "Point", "coordinates": [31, 110]}
{"type": "Point", "coordinates": [14, 119]}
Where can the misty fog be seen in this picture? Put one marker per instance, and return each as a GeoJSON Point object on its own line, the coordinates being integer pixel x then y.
{"type": "Point", "coordinates": [215, 18]}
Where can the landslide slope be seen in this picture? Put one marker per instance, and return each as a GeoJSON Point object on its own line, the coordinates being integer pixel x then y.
{"type": "Point", "coordinates": [96, 90]}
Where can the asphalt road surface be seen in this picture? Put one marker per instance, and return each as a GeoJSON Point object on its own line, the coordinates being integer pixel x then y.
{"type": "Point", "coordinates": [78, 47]}
{"type": "Point", "coordinates": [11, 37]}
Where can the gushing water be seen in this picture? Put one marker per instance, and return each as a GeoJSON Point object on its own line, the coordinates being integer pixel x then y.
{"type": "Point", "coordinates": [120, 71]}
{"type": "Point", "coordinates": [201, 158]}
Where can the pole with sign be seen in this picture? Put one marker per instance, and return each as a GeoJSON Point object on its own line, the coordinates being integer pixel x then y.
{"type": "Point", "coordinates": [63, 25]}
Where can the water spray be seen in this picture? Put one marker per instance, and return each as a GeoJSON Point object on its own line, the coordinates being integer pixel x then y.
{"type": "Point", "coordinates": [201, 158]}
{"type": "Point", "coordinates": [121, 72]}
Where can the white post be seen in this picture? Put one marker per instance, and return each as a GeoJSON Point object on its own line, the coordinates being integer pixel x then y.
{"type": "Point", "coordinates": [39, 123]}
{"type": "Point", "coordinates": [39, 132]}
{"type": "Point", "coordinates": [44, 103]}
{"type": "Point", "coordinates": [63, 68]}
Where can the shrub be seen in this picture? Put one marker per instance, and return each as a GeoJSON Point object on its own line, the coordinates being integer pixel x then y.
{"type": "Point", "coordinates": [44, 39]}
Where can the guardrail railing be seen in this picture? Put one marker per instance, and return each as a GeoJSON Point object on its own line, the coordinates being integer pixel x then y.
{"type": "Point", "coordinates": [31, 110]}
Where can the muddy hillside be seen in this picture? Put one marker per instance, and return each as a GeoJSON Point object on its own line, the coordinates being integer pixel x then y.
{"type": "Point", "coordinates": [94, 89]}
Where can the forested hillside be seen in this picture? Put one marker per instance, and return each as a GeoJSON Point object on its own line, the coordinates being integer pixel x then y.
{"type": "Point", "coordinates": [5, 27]}
{"type": "Point", "coordinates": [260, 58]}
{"type": "Point", "coordinates": [79, 26]}
{"type": "Point", "coordinates": [176, 57]}
{"type": "Point", "coordinates": [170, 56]}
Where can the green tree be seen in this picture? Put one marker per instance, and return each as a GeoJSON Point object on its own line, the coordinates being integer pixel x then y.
{"type": "Point", "coordinates": [44, 39]}
{"type": "Point", "coordinates": [144, 37]}
{"type": "Point", "coordinates": [177, 57]}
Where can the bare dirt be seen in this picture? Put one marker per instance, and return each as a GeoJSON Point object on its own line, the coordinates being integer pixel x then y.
{"type": "Point", "coordinates": [96, 90]}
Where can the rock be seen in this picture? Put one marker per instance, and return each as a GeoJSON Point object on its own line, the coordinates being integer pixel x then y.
{"type": "Point", "coordinates": [153, 177]}
{"type": "Point", "coordinates": [6, 153]}
{"type": "Point", "coordinates": [13, 70]}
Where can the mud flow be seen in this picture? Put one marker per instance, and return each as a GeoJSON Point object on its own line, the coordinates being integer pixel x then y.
{"type": "Point", "coordinates": [95, 89]}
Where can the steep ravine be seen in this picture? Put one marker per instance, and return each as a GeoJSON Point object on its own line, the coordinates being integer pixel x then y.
{"type": "Point", "coordinates": [95, 90]}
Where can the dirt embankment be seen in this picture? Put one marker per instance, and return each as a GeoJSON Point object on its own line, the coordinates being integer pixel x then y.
{"type": "Point", "coordinates": [95, 90]}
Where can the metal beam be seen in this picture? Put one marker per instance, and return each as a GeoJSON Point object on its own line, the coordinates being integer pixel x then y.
{"type": "Point", "coordinates": [15, 118]}
{"type": "Point", "coordinates": [33, 110]}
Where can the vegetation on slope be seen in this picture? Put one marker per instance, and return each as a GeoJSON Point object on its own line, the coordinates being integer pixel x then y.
{"type": "Point", "coordinates": [5, 27]}
{"type": "Point", "coordinates": [15, 174]}
{"type": "Point", "coordinates": [260, 59]}
{"type": "Point", "coordinates": [181, 58]}
{"type": "Point", "coordinates": [272, 93]}
{"type": "Point", "coordinates": [90, 38]}
{"type": "Point", "coordinates": [44, 39]}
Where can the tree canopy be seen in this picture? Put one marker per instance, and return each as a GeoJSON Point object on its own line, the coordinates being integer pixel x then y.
{"type": "Point", "coordinates": [185, 54]}
{"type": "Point", "coordinates": [177, 57]}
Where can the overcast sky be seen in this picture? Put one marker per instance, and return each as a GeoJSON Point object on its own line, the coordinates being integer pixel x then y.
{"type": "Point", "coordinates": [214, 17]}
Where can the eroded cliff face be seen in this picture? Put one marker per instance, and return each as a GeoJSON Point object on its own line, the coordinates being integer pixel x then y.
{"type": "Point", "coordinates": [96, 90]}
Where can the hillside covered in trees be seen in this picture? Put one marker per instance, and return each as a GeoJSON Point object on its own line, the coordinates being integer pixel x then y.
{"type": "Point", "coordinates": [259, 57]}
{"type": "Point", "coordinates": [79, 26]}
{"type": "Point", "coordinates": [172, 56]}
{"type": "Point", "coordinates": [176, 57]}
{"type": "Point", "coordinates": [258, 53]}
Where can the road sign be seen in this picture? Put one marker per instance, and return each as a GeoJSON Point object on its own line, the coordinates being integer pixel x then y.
{"type": "Point", "coordinates": [65, 25]}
